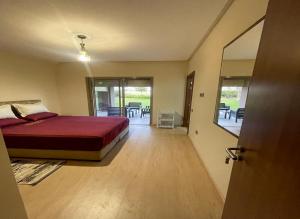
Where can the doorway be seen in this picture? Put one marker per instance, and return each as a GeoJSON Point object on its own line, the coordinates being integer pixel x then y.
{"type": "Point", "coordinates": [188, 99]}
{"type": "Point", "coordinates": [130, 97]}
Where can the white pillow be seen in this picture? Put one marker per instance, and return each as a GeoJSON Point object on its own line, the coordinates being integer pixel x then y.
{"type": "Point", "coordinates": [27, 109]}
{"type": "Point", "coordinates": [6, 112]}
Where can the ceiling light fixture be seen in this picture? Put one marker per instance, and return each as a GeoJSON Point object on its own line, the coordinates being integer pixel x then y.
{"type": "Point", "coordinates": [83, 56]}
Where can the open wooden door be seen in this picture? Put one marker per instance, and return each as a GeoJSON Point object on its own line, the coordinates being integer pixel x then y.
{"type": "Point", "coordinates": [188, 99]}
{"type": "Point", "coordinates": [265, 184]}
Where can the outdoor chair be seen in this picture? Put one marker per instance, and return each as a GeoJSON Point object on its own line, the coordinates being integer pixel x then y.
{"type": "Point", "coordinates": [134, 104]}
{"type": "Point", "coordinates": [113, 111]}
{"type": "Point", "coordinates": [146, 110]}
{"type": "Point", "coordinates": [223, 107]}
{"type": "Point", "coordinates": [238, 114]}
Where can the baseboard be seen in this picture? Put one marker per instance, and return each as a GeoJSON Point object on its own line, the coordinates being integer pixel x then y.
{"type": "Point", "coordinates": [206, 170]}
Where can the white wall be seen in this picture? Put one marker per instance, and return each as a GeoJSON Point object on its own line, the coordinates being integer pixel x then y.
{"type": "Point", "coordinates": [211, 141]}
{"type": "Point", "coordinates": [25, 78]}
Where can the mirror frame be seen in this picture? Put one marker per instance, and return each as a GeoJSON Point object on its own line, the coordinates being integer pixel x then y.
{"type": "Point", "coordinates": [218, 98]}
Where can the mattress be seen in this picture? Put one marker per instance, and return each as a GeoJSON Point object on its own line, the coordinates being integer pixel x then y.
{"type": "Point", "coordinates": [80, 133]}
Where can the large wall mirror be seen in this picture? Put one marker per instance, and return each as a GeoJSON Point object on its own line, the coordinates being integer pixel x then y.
{"type": "Point", "coordinates": [235, 77]}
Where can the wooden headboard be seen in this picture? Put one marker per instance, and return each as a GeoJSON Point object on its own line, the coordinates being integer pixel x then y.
{"type": "Point", "coordinates": [20, 102]}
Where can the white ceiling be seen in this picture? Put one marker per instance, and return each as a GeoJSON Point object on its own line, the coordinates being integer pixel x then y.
{"type": "Point", "coordinates": [119, 30]}
{"type": "Point", "coordinates": [246, 46]}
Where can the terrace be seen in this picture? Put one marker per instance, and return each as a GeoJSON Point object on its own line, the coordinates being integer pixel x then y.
{"type": "Point", "coordinates": [137, 103]}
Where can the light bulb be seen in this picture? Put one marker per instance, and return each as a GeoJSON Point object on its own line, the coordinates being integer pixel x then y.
{"type": "Point", "coordinates": [83, 57]}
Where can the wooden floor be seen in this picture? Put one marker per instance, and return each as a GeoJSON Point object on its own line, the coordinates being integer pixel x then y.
{"type": "Point", "coordinates": [153, 174]}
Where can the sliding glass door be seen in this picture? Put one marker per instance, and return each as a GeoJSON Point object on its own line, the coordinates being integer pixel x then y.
{"type": "Point", "coordinates": [137, 96]}
{"type": "Point", "coordinates": [107, 97]}
{"type": "Point", "coordinates": [131, 97]}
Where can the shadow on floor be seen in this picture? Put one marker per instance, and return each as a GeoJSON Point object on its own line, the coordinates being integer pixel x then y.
{"type": "Point", "coordinates": [105, 161]}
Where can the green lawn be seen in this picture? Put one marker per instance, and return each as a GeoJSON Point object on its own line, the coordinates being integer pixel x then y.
{"type": "Point", "coordinates": [144, 100]}
{"type": "Point", "coordinates": [232, 102]}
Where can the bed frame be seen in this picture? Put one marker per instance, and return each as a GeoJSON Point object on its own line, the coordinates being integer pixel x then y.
{"type": "Point", "coordinates": [62, 154]}
{"type": "Point", "coordinates": [67, 154]}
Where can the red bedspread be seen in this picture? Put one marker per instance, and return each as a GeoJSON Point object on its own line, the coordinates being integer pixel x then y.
{"type": "Point", "coordinates": [65, 133]}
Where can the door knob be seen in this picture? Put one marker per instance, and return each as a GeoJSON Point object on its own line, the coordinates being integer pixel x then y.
{"type": "Point", "coordinates": [233, 156]}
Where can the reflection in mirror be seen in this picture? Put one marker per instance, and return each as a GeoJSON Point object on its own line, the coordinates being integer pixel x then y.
{"type": "Point", "coordinates": [235, 77]}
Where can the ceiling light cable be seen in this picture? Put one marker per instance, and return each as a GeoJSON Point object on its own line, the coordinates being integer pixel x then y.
{"type": "Point", "coordinates": [83, 56]}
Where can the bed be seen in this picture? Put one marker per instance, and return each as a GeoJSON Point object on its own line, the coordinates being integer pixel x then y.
{"type": "Point", "coordinates": [65, 137]}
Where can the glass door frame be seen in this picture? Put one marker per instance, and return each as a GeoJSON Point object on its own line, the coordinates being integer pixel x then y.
{"type": "Point", "coordinates": [90, 85]}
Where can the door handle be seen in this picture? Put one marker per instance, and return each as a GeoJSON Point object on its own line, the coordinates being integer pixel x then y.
{"type": "Point", "coordinates": [233, 156]}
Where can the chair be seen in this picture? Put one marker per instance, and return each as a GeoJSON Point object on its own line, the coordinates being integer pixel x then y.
{"type": "Point", "coordinates": [134, 104]}
{"type": "Point", "coordinates": [146, 110]}
{"type": "Point", "coordinates": [239, 113]}
{"type": "Point", "coordinates": [223, 107]}
{"type": "Point", "coordinates": [113, 111]}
